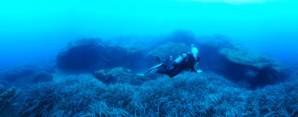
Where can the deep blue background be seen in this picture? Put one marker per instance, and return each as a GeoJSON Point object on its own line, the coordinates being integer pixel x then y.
{"type": "Point", "coordinates": [35, 30]}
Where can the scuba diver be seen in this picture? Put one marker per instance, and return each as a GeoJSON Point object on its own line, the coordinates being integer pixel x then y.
{"type": "Point", "coordinates": [187, 61]}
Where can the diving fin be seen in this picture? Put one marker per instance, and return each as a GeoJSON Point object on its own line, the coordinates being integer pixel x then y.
{"type": "Point", "coordinates": [152, 70]}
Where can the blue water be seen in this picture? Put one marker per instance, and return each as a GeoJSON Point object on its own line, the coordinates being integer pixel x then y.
{"type": "Point", "coordinates": [35, 30]}
{"type": "Point", "coordinates": [96, 77]}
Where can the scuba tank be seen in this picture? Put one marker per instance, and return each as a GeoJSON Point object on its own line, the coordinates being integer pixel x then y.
{"type": "Point", "coordinates": [181, 58]}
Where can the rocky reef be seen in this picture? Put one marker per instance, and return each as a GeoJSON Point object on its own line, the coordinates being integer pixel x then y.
{"type": "Point", "coordinates": [257, 68]}
{"type": "Point", "coordinates": [79, 54]}
{"type": "Point", "coordinates": [22, 76]}
{"type": "Point", "coordinates": [91, 54]}
{"type": "Point", "coordinates": [16, 73]}
{"type": "Point", "coordinates": [169, 49]}
{"type": "Point", "coordinates": [248, 57]}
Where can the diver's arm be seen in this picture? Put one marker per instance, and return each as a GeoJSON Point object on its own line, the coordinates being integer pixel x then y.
{"type": "Point", "coordinates": [194, 63]}
{"type": "Point", "coordinates": [193, 69]}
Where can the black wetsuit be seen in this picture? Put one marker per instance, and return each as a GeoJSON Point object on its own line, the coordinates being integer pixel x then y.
{"type": "Point", "coordinates": [188, 63]}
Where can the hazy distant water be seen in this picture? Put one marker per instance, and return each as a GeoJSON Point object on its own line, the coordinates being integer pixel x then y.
{"type": "Point", "coordinates": [35, 30]}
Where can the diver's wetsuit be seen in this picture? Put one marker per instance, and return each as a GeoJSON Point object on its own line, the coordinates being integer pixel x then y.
{"type": "Point", "coordinates": [188, 63]}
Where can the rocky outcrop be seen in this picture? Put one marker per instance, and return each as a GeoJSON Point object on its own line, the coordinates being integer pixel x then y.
{"type": "Point", "coordinates": [238, 63]}
{"type": "Point", "coordinates": [79, 54]}
{"type": "Point", "coordinates": [257, 68]}
{"type": "Point", "coordinates": [248, 57]}
{"type": "Point", "coordinates": [16, 73]}
{"type": "Point", "coordinates": [90, 54]}
{"type": "Point", "coordinates": [169, 49]}
{"type": "Point", "coordinates": [26, 75]}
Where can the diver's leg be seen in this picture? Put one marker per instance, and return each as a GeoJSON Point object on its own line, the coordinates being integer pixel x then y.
{"type": "Point", "coordinates": [162, 70]}
{"type": "Point", "coordinates": [176, 71]}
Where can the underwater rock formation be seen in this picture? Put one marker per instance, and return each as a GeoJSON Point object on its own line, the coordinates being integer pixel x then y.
{"type": "Point", "coordinates": [26, 75]}
{"type": "Point", "coordinates": [250, 58]}
{"type": "Point", "coordinates": [169, 49]}
{"type": "Point", "coordinates": [119, 75]}
{"type": "Point", "coordinates": [17, 73]}
{"type": "Point", "coordinates": [79, 54]}
{"type": "Point", "coordinates": [235, 62]}
{"type": "Point", "coordinates": [257, 68]}
{"type": "Point", "coordinates": [90, 54]}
